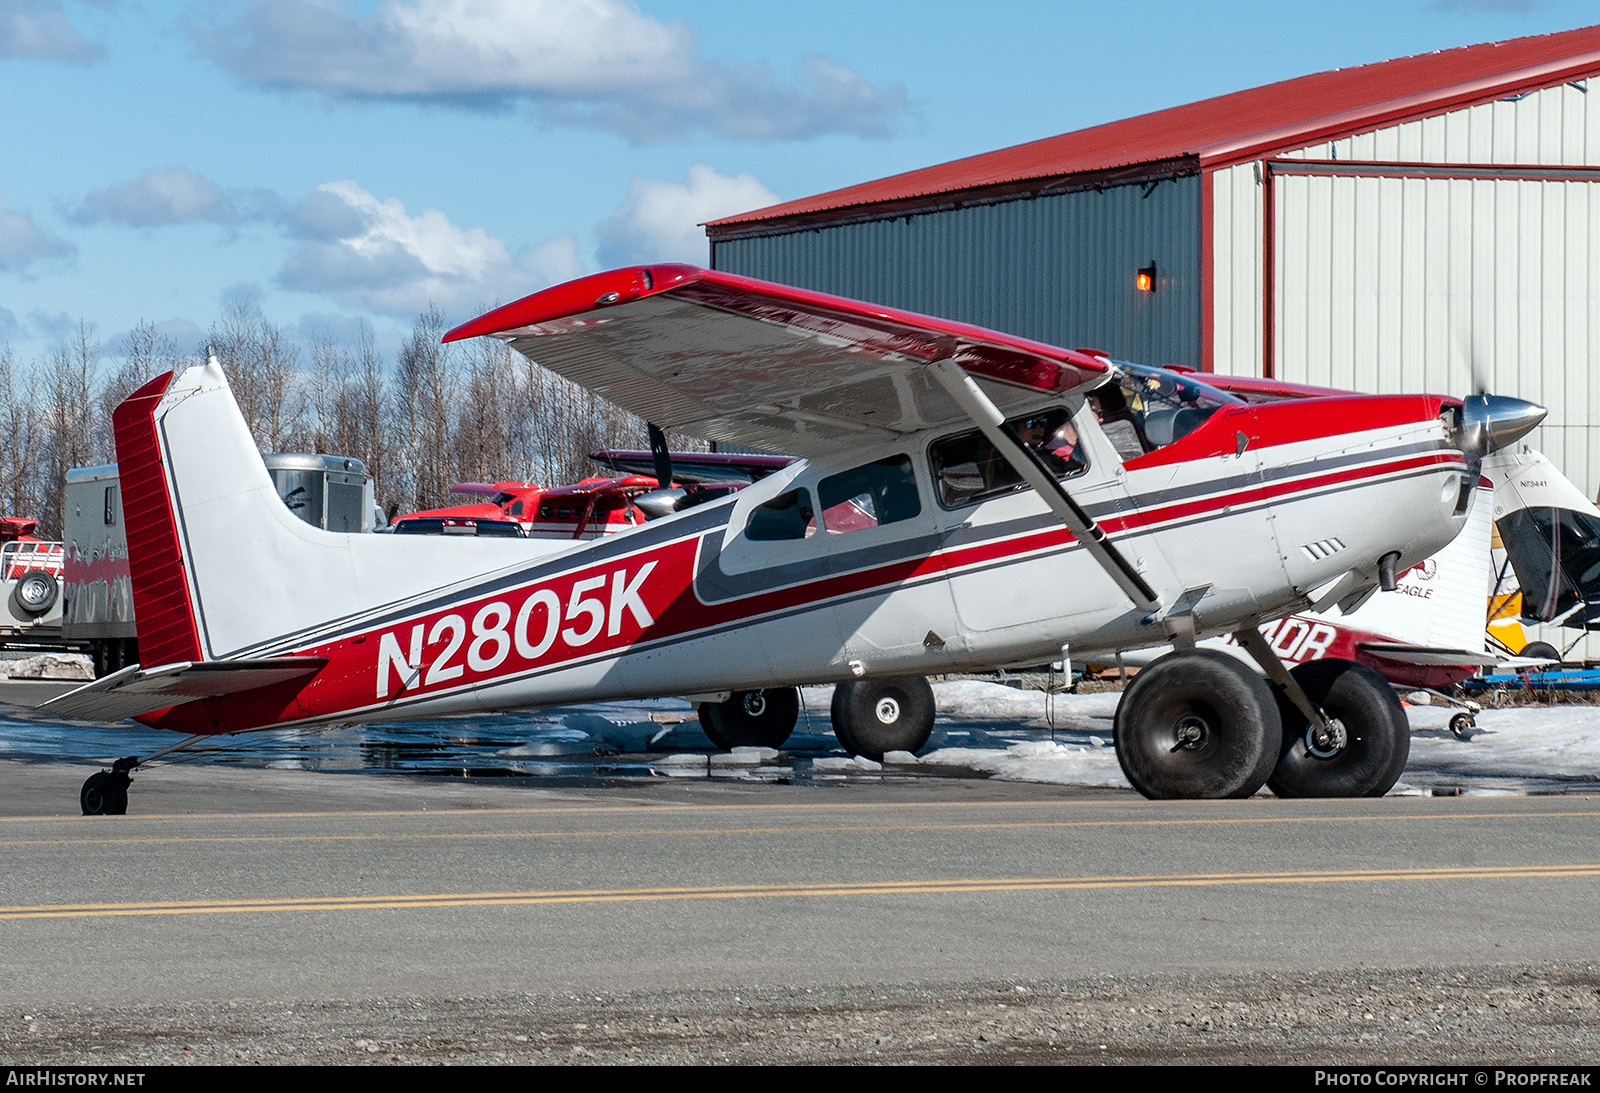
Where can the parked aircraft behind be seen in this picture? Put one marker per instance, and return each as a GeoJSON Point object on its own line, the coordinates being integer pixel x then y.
{"type": "Point", "coordinates": [986, 517]}
{"type": "Point", "coordinates": [1548, 566]}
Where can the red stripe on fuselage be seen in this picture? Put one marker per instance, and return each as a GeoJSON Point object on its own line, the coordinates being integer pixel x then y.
{"type": "Point", "coordinates": [488, 639]}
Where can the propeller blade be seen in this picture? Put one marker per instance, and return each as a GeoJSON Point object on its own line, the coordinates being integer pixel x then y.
{"type": "Point", "coordinates": [661, 456]}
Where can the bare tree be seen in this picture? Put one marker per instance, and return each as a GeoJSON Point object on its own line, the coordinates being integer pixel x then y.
{"type": "Point", "coordinates": [21, 431]}
{"type": "Point", "coordinates": [146, 353]}
{"type": "Point", "coordinates": [441, 415]}
{"type": "Point", "coordinates": [73, 437]}
{"type": "Point", "coordinates": [426, 388]}
{"type": "Point", "coordinates": [263, 366]}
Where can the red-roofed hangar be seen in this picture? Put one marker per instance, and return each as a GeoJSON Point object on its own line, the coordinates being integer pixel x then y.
{"type": "Point", "coordinates": [1372, 228]}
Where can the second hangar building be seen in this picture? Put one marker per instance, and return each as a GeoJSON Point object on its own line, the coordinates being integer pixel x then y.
{"type": "Point", "coordinates": [1412, 225]}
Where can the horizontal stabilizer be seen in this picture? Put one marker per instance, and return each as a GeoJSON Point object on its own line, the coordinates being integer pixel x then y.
{"type": "Point", "coordinates": [1426, 655]}
{"type": "Point", "coordinates": [137, 690]}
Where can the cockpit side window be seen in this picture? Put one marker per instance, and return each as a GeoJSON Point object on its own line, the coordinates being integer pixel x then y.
{"type": "Point", "coordinates": [1141, 409]}
{"type": "Point", "coordinates": [868, 496]}
{"type": "Point", "coordinates": [787, 516]}
{"type": "Point", "coordinates": [967, 468]}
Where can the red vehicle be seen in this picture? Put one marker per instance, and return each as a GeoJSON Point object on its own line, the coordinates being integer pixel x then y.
{"type": "Point", "coordinates": [599, 506]}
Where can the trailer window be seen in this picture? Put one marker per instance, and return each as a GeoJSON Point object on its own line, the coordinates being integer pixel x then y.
{"type": "Point", "coordinates": [967, 468]}
{"type": "Point", "coordinates": [881, 492]}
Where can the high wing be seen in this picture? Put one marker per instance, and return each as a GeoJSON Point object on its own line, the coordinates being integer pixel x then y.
{"type": "Point", "coordinates": [695, 467]}
{"type": "Point", "coordinates": [766, 366]}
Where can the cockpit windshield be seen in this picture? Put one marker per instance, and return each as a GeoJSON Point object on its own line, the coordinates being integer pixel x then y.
{"type": "Point", "coordinates": [1142, 408]}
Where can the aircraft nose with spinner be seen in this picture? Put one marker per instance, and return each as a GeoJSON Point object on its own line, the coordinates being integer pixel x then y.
{"type": "Point", "coordinates": [1490, 422]}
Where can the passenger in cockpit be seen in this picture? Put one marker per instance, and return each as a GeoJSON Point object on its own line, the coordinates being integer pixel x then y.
{"type": "Point", "coordinates": [1116, 419]}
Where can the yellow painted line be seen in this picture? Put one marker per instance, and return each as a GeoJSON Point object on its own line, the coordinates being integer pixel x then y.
{"type": "Point", "coordinates": [784, 829]}
{"type": "Point", "coordinates": [792, 891]}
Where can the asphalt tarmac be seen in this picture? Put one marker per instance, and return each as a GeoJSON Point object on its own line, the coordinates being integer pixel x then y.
{"type": "Point", "coordinates": [278, 915]}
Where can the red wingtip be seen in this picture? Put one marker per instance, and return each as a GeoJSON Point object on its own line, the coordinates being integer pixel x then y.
{"type": "Point", "coordinates": [598, 290]}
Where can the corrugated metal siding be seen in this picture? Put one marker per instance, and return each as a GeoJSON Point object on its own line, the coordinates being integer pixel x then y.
{"type": "Point", "coordinates": [1442, 284]}
{"type": "Point", "coordinates": [1236, 321]}
{"type": "Point", "coordinates": [1559, 125]}
{"type": "Point", "coordinates": [1388, 284]}
{"type": "Point", "coordinates": [1059, 269]}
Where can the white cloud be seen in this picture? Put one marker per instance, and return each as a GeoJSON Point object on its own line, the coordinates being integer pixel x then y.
{"type": "Point", "coordinates": [660, 221]}
{"type": "Point", "coordinates": [591, 63]}
{"type": "Point", "coordinates": [23, 243]}
{"type": "Point", "coordinates": [40, 29]}
{"type": "Point", "coordinates": [371, 253]}
{"type": "Point", "coordinates": [173, 195]}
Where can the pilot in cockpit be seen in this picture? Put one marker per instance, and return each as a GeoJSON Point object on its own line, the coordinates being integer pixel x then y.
{"type": "Point", "coordinates": [1054, 440]}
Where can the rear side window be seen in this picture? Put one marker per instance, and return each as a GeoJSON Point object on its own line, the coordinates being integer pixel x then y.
{"type": "Point", "coordinates": [868, 496]}
{"type": "Point", "coordinates": [967, 468]}
{"type": "Point", "coordinates": [787, 516]}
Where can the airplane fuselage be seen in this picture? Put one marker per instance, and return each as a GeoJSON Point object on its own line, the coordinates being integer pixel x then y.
{"type": "Point", "coordinates": [1251, 513]}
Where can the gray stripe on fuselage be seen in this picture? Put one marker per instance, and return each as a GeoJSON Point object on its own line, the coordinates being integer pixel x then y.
{"type": "Point", "coordinates": [697, 522]}
{"type": "Point", "coordinates": [712, 585]}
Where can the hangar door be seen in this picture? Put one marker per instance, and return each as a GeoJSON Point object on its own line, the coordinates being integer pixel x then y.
{"type": "Point", "coordinates": [1396, 277]}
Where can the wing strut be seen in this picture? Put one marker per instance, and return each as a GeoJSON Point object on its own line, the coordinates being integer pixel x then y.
{"type": "Point", "coordinates": [987, 416]}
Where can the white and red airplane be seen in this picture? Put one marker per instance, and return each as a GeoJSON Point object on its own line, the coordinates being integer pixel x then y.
{"type": "Point", "coordinates": [1006, 500]}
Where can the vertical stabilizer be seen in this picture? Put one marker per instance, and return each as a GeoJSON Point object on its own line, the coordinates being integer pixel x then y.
{"type": "Point", "coordinates": [221, 569]}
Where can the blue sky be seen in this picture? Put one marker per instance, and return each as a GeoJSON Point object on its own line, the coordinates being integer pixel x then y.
{"type": "Point", "coordinates": [356, 159]}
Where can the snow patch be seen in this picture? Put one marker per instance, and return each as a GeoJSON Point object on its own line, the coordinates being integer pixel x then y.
{"type": "Point", "coordinates": [57, 666]}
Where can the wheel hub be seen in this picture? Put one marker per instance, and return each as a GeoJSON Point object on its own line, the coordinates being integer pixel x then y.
{"type": "Point", "coordinates": [1190, 732]}
{"type": "Point", "coordinates": [887, 710]}
{"type": "Point", "coordinates": [755, 703]}
{"type": "Point", "coordinates": [33, 594]}
{"type": "Point", "coordinates": [1325, 743]}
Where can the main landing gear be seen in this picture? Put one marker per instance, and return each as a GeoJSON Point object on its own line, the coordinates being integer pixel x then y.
{"type": "Point", "coordinates": [1363, 745]}
{"type": "Point", "coordinates": [870, 716]}
{"type": "Point", "coordinates": [1199, 723]}
{"type": "Point", "coordinates": [874, 716]}
{"type": "Point", "coordinates": [751, 719]}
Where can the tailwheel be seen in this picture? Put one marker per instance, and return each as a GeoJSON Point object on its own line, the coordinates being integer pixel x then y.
{"type": "Point", "coordinates": [874, 716]}
{"type": "Point", "coordinates": [1463, 726]}
{"type": "Point", "coordinates": [105, 793]}
{"type": "Point", "coordinates": [759, 719]}
{"type": "Point", "coordinates": [1367, 742]}
{"type": "Point", "coordinates": [1197, 723]}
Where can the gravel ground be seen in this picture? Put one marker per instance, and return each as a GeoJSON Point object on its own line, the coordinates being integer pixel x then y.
{"type": "Point", "coordinates": [1546, 1016]}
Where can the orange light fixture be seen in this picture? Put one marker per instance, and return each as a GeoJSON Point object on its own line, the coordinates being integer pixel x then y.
{"type": "Point", "coordinates": [1145, 281]}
